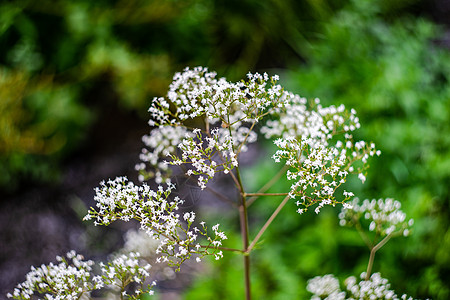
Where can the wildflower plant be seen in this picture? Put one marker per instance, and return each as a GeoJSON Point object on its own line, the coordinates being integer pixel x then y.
{"type": "Point", "coordinates": [203, 126]}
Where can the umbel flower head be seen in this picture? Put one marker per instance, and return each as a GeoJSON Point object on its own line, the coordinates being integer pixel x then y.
{"type": "Point", "coordinates": [205, 122]}
{"type": "Point", "coordinates": [70, 278]}
{"type": "Point", "coordinates": [327, 287]}
{"type": "Point", "coordinates": [178, 237]}
{"type": "Point", "coordinates": [124, 269]}
{"type": "Point", "coordinates": [384, 216]}
{"type": "Point", "coordinates": [226, 112]}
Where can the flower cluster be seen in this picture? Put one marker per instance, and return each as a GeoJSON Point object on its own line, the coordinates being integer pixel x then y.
{"type": "Point", "coordinates": [72, 278]}
{"type": "Point", "coordinates": [227, 113]}
{"type": "Point", "coordinates": [198, 93]}
{"type": "Point", "coordinates": [201, 157]}
{"type": "Point", "coordinates": [158, 215]}
{"type": "Point", "coordinates": [141, 242]}
{"type": "Point", "coordinates": [69, 279]}
{"type": "Point", "coordinates": [163, 141]}
{"type": "Point", "coordinates": [327, 287]}
{"type": "Point", "coordinates": [295, 119]}
{"type": "Point", "coordinates": [374, 288]}
{"type": "Point", "coordinates": [318, 146]}
{"type": "Point", "coordinates": [384, 216]}
{"type": "Point", "coordinates": [124, 269]}
{"type": "Point", "coordinates": [318, 170]}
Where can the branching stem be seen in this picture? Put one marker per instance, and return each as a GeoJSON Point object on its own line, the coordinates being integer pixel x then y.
{"type": "Point", "coordinates": [268, 222]}
{"type": "Point", "coordinates": [264, 194]}
{"type": "Point", "coordinates": [362, 234]}
{"type": "Point", "coordinates": [245, 235]}
{"type": "Point", "coordinates": [372, 254]}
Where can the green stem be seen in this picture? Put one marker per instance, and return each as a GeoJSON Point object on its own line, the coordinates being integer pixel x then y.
{"type": "Point", "coordinates": [237, 182]}
{"type": "Point", "coordinates": [268, 222]}
{"type": "Point", "coordinates": [267, 186]}
{"type": "Point", "coordinates": [265, 194]}
{"type": "Point", "coordinates": [372, 255]}
{"type": "Point", "coordinates": [243, 217]}
{"type": "Point", "coordinates": [245, 139]}
{"type": "Point", "coordinates": [223, 248]}
{"type": "Point", "coordinates": [362, 234]}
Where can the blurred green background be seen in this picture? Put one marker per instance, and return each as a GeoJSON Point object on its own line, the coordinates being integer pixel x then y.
{"type": "Point", "coordinates": [64, 64]}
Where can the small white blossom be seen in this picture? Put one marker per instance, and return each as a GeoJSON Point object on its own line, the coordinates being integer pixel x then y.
{"type": "Point", "coordinates": [374, 288]}
{"type": "Point", "coordinates": [316, 169]}
{"type": "Point", "coordinates": [362, 177]}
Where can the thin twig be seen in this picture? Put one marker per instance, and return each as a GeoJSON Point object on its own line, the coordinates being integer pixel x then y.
{"type": "Point", "coordinates": [363, 234]}
{"type": "Point", "coordinates": [245, 139]}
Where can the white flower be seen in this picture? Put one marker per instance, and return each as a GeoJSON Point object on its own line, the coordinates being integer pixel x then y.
{"type": "Point", "coordinates": [323, 286]}
{"type": "Point", "coordinates": [327, 287]}
{"type": "Point", "coordinates": [317, 169]}
{"type": "Point", "coordinates": [374, 288]}
{"type": "Point", "coordinates": [158, 216]}
{"type": "Point", "coordinates": [362, 177]}
{"type": "Point", "coordinates": [69, 279]}
{"type": "Point", "coordinates": [385, 216]}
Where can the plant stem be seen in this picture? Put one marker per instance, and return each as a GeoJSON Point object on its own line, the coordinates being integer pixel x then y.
{"type": "Point", "coordinates": [243, 217]}
{"type": "Point", "coordinates": [245, 240]}
{"type": "Point", "coordinates": [245, 139]}
{"type": "Point", "coordinates": [267, 185]}
{"type": "Point", "coordinates": [362, 234]}
{"type": "Point", "coordinates": [225, 249]}
{"type": "Point", "coordinates": [265, 194]}
{"type": "Point", "coordinates": [268, 222]}
{"type": "Point", "coordinates": [372, 255]}
{"type": "Point", "coordinates": [236, 181]}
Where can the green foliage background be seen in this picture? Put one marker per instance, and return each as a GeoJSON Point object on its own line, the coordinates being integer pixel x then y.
{"type": "Point", "coordinates": [370, 55]}
{"type": "Point", "coordinates": [397, 77]}
{"type": "Point", "coordinates": [395, 74]}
